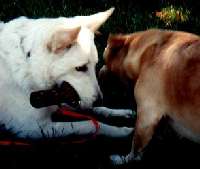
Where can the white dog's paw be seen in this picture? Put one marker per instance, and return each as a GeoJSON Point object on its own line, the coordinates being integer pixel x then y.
{"type": "Point", "coordinates": [121, 160]}
{"type": "Point", "coordinates": [117, 159]}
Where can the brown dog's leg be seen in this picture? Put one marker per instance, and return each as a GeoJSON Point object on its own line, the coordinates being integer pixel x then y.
{"type": "Point", "coordinates": [145, 127]}
{"type": "Point", "coordinates": [147, 120]}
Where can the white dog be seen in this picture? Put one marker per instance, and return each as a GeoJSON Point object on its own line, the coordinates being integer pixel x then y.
{"type": "Point", "coordinates": [36, 54]}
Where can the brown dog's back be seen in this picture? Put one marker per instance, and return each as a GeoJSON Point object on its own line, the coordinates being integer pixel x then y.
{"type": "Point", "coordinates": [165, 67]}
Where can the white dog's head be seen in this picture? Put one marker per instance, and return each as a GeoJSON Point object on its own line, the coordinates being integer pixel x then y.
{"type": "Point", "coordinates": [63, 50]}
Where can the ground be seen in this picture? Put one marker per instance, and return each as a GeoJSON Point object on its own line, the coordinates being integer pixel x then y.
{"type": "Point", "coordinates": [166, 152]}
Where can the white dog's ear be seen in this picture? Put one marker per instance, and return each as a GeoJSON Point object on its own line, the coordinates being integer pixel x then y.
{"type": "Point", "coordinates": [62, 39]}
{"type": "Point", "coordinates": [93, 22]}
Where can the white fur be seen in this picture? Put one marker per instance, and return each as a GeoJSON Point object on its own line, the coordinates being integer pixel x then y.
{"type": "Point", "coordinates": [1, 25]}
{"type": "Point", "coordinates": [20, 75]}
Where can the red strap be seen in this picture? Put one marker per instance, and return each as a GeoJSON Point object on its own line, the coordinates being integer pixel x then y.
{"type": "Point", "coordinates": [10, 142]}
{"type": "Point", "coordinates": [67, 112]}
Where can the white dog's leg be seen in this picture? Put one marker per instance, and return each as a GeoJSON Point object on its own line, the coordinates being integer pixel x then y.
{"type": "Point", "coordinates": [84, 128]}
{"type": "Point", "coordinates": [115, 117]}
{"type": "Point", "coordinates": [107, 112]}
{"type": "Point", "coordinates": [38, 130]}
{"type": "Point", "coordinates": [114, 132]}
{"type": "Point", "coordinates": [122, 160]}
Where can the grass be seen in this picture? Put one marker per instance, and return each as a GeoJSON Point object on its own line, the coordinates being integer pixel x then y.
{"type": "Point", "coordinates": [171, 15]}
{"type": "Point", "coordinates": [129, 16]}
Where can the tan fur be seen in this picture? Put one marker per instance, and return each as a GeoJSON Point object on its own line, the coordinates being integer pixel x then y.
{"type": "Point", "coordinates": [63, 39]}
{"type": "Point", "coordinates": [165, 67]}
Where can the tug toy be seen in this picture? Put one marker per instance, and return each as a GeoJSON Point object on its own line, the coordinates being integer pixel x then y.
{"type": "Point", "coordinates": [65, 94]}
{"type": "Point", "coordinates": [106, 121]}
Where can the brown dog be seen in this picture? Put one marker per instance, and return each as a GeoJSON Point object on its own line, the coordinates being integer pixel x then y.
{"type": "Point", "coordinates": [165, 67]}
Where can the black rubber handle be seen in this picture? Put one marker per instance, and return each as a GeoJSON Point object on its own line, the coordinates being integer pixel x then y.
{"type": "Point", "coordinates": [64, 94]}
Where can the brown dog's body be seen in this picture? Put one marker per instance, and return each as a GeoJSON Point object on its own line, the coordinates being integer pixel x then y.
{"type": "Point", "coordinates": [165, 67]}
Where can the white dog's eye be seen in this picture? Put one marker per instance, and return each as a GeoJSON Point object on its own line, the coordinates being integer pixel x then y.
{"type": "Point", "coordinates": [83, 68]}
{"type": "Point", "coordinates": [68, 46]}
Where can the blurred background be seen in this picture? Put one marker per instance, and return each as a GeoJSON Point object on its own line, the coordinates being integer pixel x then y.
{"type": "Point", "coordinates": [167, 150]}
{"type": "Point", "coordinates": [129, 15]}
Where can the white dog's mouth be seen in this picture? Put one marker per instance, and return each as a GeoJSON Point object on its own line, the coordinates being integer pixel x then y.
{"type": "Point", "coordinates": [56, 96]}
